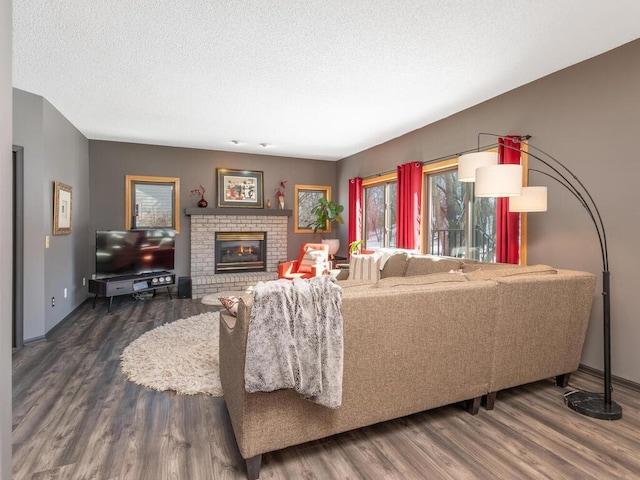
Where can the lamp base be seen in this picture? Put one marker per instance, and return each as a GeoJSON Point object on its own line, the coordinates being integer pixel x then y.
{"type": "Point", "coordinates": [592, 405]}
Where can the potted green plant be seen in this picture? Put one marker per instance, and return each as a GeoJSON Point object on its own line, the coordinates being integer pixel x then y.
{"type": "Point", "coordinates": [326, 212]}
{"type": "Point", "coordinates": [355, 247]}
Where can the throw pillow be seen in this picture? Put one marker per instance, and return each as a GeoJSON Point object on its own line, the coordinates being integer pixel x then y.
{"type": "Point", "coordinates": [311, 257]}
{"type": "Point", "coordinates": [365, 267]}
{"type": "Point", "coordinates": [231, 304]}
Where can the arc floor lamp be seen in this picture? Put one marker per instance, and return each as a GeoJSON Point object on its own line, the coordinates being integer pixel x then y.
{"type": "Point", "coordinates": [494, 180]}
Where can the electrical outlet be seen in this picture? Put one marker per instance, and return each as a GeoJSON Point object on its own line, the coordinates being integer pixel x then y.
{"type": "Point", "coordinates": [46, 241]}
{"type": "Point", "coordinates": [84, 281]}
{"type": "Point", "coordinates": [65, 292]}
{"type": "Point", "coordinates": [53, 301]}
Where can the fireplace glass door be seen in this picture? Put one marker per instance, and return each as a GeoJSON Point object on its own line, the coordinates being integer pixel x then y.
{"type": "Point", "coordinates": [240, 252]}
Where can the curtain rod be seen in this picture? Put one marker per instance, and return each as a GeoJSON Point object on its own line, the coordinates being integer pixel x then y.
{"type": "Point", "coordinates": [446, 157]}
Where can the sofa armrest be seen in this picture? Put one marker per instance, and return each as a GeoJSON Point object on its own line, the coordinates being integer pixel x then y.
{"type": "Point", "coordinates": [232, 346]}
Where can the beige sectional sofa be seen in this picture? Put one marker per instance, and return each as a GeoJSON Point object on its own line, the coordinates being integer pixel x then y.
{"type": "Point", "coordinates": [419, 338]}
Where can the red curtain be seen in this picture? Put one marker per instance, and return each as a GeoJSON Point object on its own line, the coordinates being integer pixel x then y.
{"type": "Point", "coordinates": [355, 209]}
{"type": "Point", "coordinates": [507, 224]}
{"type": "Point", "coordinates": [408, 205]}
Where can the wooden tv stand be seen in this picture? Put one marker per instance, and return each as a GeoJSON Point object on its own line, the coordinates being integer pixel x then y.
{"type": "Point", "coordinates": [129, 284]}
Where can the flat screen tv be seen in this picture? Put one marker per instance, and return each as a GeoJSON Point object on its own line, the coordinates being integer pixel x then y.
{"type": "Point", "coordinates": [133, 252]}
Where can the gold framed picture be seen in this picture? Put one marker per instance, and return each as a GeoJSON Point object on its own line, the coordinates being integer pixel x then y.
{"type": "Point", "coordinates": [62, 195]}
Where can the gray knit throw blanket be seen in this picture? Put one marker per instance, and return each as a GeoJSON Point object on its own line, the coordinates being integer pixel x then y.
{"type": "Point", "coordinates": [295, 339]}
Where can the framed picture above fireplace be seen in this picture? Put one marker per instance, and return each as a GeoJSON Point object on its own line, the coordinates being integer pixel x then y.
{"type": "Point", "coordinates": [240, 188]}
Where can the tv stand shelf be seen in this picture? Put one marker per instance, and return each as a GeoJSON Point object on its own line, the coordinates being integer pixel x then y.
{"type": "Point", "coordinates": [128, 284]}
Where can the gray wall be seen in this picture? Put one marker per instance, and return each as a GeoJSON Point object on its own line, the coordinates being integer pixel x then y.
{"type": "Point", "coordinates": [111, 161]}
{"type": "Point", "coordinates": [588, 117]}
{"type": "Point", "coordinates": [54, 150]}
{"type": "Point", "coordinates": [6, 289]}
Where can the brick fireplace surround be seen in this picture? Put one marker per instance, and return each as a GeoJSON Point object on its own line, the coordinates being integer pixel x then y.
{"type": "Point", "coordinates": [205, 222]}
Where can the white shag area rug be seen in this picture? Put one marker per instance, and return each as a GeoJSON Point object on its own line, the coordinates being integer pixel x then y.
{"type": "Point", "coordinates": [180, 356]}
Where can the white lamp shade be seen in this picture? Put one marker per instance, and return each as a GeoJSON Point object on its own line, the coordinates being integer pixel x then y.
{"type": "Point", "coordinates": [469, 162]}
{"type": "Point", "coordinates": [334, 245]}
{"type": "Point", "coordinates": [532, 199]}
{"type": "Point", "coordinates": [499, 181]}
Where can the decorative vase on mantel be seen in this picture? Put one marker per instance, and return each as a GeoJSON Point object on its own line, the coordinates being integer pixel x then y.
{"type": "Point", "coordinates": [281, 202]}
{"type": "Point", "coordinates": [202, 203]}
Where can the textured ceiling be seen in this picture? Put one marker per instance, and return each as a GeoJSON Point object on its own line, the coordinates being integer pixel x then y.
{"type": "Point", "coordinates": [312, 79]}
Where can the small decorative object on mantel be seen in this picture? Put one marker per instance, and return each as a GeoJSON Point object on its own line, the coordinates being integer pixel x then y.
{"type": "Point", "coordinates": [280, 194]}
{"type": "Point", "coordinates": [200, 191]}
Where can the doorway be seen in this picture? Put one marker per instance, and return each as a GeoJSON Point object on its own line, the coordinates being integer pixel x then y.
{"type": "Point", "coordinates": [18, 248]}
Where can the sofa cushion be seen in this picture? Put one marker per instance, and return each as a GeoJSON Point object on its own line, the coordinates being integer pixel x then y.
{"type": "Point", "coordinates": [428, 264]}
{"type": "Point", "coordinates": [493, 273]}
{"type": "Point", "coordinates": [365, 267]}
{"type": "Point", "coordinates": [395, 265]}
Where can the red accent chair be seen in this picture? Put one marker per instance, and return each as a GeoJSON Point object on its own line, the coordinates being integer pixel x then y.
{"type": "Point", "coordinates": [312, 261]}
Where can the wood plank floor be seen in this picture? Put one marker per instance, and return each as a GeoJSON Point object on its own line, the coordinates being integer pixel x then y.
{"type": "Point", "coordinates": [75, 416]}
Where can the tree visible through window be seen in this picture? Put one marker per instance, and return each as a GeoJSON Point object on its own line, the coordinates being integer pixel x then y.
{"type": "Point", "coordinates": [380, 215]}
{"type": "Point", "coordinates": [153, 205]}
{"type": "Point", "coordinates": [452, 231]}
{"type": "Point", "coordinates": [456, 223]}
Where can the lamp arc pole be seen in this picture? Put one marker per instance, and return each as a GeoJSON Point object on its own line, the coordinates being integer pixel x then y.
{"type": "Point", "coordinates": [591, 404]}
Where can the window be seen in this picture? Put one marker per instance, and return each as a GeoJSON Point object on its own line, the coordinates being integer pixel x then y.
{"type": "Point", "coordinates": [152, 202]}
{"type": "Point", "coordinates": [459, 224]}
{"type": "Point", "coordinates": [455, 222]}
{"type": "Point", "coordinates": [380, 212]}
{"type": "Point", "coordinates": [306, 198]}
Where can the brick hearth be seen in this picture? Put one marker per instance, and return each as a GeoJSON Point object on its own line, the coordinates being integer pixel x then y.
{"type": "Point", "coordinates": [204, 224]}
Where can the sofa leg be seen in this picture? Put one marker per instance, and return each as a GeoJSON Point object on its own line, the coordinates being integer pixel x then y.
{"type": "Point", "coordinates": [490, 400]}
{"type": "Point", "coordinates": [563, 380]}
{"type": "Point", "coordinates": [473, 405]}
{"type": "Point", "coordinates": [253, 467]}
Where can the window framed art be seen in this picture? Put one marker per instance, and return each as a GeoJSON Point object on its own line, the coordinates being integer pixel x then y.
{"type": "Point", "coordinates": [152, 202]}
